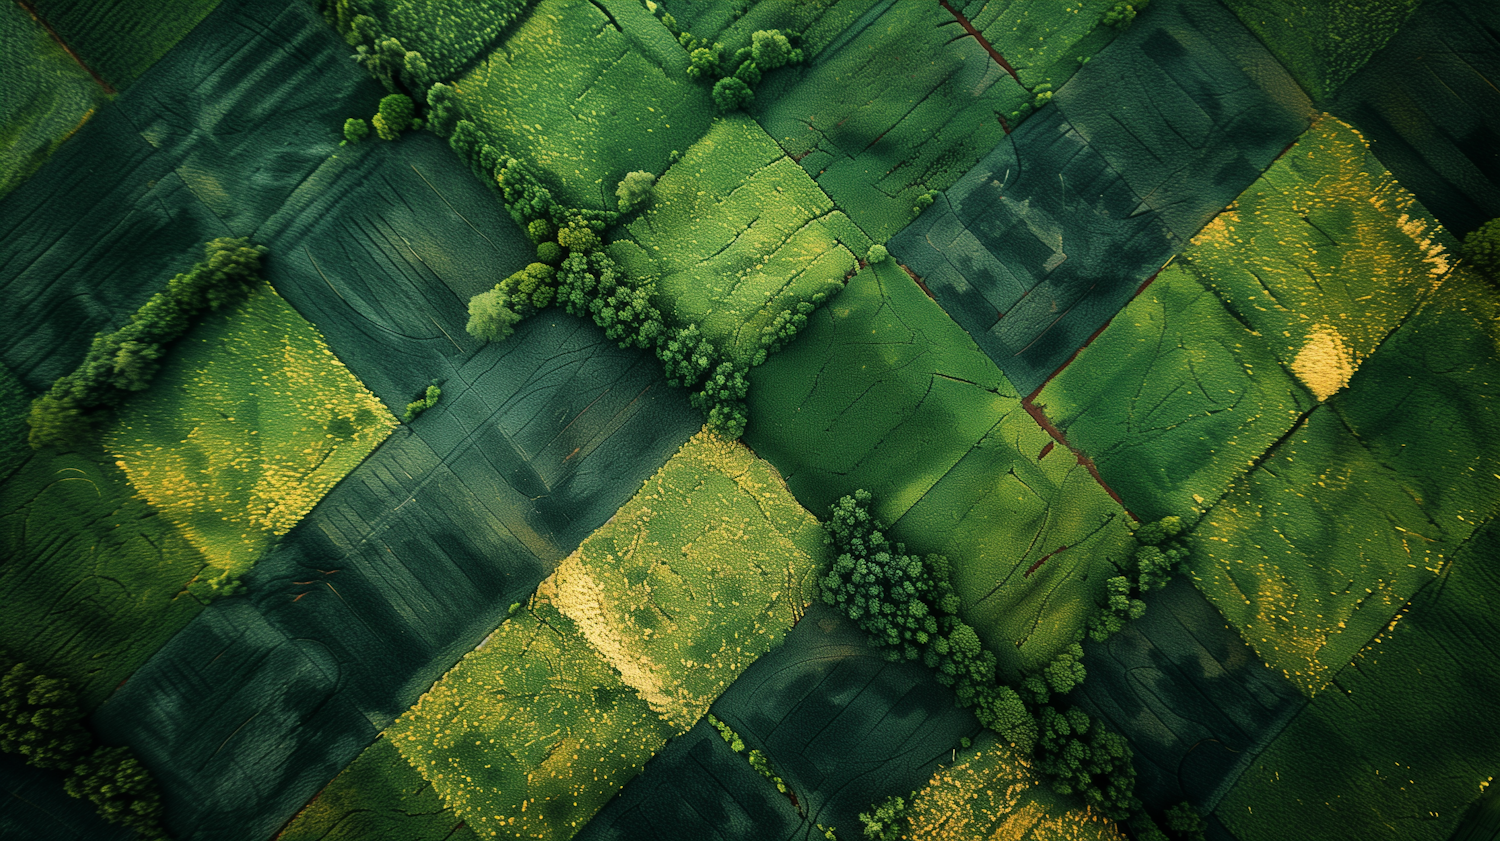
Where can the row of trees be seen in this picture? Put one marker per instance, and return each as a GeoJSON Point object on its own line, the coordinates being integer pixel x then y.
{"type": "Point", "coordinates": [734, 77]}
{"type": "Point", "coordinates": [909, 608]}
{"type": "Point", "coordinates": [125, 361]}
{"type": "Point", "coordinates": [763, 767]}
{"type": "Point", "coordinates": [41, 721]}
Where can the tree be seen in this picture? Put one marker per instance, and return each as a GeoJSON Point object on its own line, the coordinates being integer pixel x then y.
{"type": "Point", "coordinates": [40, 719]}
{"type": "Point", "coordinates": [876, 254]}
{"type": "Point", "coordinates": [634, 190]}
{"type": "Point", "coordinates": [417, 73]}
{"type": "Point", "coordinates": [491, 318]}
{"type": "Point", "coordinates": [731, 94]}
{"type": "Point", "coordinates": [577, 237]}
{"type": "Point", "coordinates": [442, 109]}
{"type": "Point", "coordinates": [771, 49]}
{"type": "Point", "coordinates": [121, 790]}
{"type": "Point", "coordinates": [703, 62]}
{"type": "Point", "coordinates": [394, 117]}
{"type": "Point", "coordinates": [1184, 822]}
{"type": "Point", "coordinates": [883, 823]}
{"type": "Point", "coordinates": [355, 130]}
{"type": "Point", "coordinates": [1482, 248]}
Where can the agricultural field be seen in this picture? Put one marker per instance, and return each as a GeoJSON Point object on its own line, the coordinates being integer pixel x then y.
{"type": "Point", "coordinates": [49, 96]}
{"type": "Point", "coordinates": [737, 234]}
{"type": "Point", "coordinates": [587, 110]}
{"type": "Point", "coordinates": [117, 39]}
{"type": "Point", "coordinates": [252, 421]}
{"type": "Point", "coordinates": [1117, 393]}
{"type": "Point", "coordinates": [905, 106]}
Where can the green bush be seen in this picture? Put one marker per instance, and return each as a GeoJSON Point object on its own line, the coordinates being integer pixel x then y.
{"type": "Point", "coordinates": [634, 190]}
{"type": "Point", "coordinates": [732, 94]}
{"type": "Point", "coordinates": [1123, 12]}
{"type": "Point", "coordinates": [427, 400]}
{"type": "Point", "coordinates": [1078, 756]}
{"type": "Point", "coordinates": [884, 822]}
{"type": "Point", "coordinates": [121, 790]}
{"type": "Point", "coordinates": [1482, 248]}
{"type": "Point", "coordinates": [876, 254]}
{"type": "Point", "coordinates": [394, 117]}
{"type": "Point", "coordinates": [1184, 823]}
{"type": "Point", "coordinates": [355, 130]}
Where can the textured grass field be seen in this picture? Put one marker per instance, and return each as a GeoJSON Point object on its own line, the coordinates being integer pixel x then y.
{"type": "Point", "coordinates": [991, 794]}
{"type": "Point", "coordinates": [584, 101]}
{"type": "Point", "coordinates": [1324, 42]}
{"type": "Point", "coordinates": [1174, 400]}
{"type": "Point", "coordinates": [251, 420]}
{"type": "Point", "coordinates": [94, 579]}
{"type": "Point", "coordinates": [702, 572]}
{"type": "Point", "coordinates": [121, 39]}
{"type": "Point", "coordinates": [48, 96]}
{"type": "Point", "coordinates": [1044, 40]}
{"type": "Point", "coordinates": [737, 233]}
{"type": "Point", "coordinates": [378, 795]}
{"type": "Point", "coordinates": [908, 105]}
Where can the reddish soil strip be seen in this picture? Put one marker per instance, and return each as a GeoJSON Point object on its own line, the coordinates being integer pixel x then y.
{"type": "Point", "coordinates": [995, 54]}
{"type": "Point", "coordinates": [1045, 450]}
{"type": "Point", "coordinates": [1038, 565]}
{"type": "Point", "coordinates": [1003, 122]}
{"type": "Point", "coordinates": [1041, 419]}
{"type": "Point", "coordinates": [108, 88]}
{"type": "Point", "coordinates": [1094, 335]}
{"type": "Point", "coordinates": [920, 284]}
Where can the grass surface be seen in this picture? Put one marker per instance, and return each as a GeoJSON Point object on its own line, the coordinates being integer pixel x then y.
{"type": "Point", "coordinates": [249, 423]}
{"type": "Point", "coordinates": [573, 93]}
{"type": "Point", "coordinates": [47, 96]}
{"type": "Point", "coordinates": [908, 105]}
{"type": "Point", "coordinates": [94, 578]}
{"type": "Point", "coordinates": [883, 392]}
{"type": "Point", "coordinates": [15, 403]}
{"type": "Point", "coordinates": [1042, 39]}
{"type": "Point", "coordinates": [1174, 400]}
{"type": "Point", "coordinates": [379, 795]}
{"type": "Point", "coordinates": [1323, 42]}
{"type": "Point", "coordinates": [452, 34]}
{"type": "Point", "coordinates": [990, 794]}
{"type": "Point", "coordinates": [532, 732]}
{"type": "Point", "coordinates": [819, 22]}
{"type": "Point", "coordinates": [1323, 255]}
{"type": "Point", "coordinates": [737, 233]}
{"type": "Point", "coordinates": [1311, 553]}
{"type": "Point", "coordinates": [1405, 746]}
{"type": "Point", "coordinates": [121, 39]}
{"type": "Point", "coordinates": [699, 574]}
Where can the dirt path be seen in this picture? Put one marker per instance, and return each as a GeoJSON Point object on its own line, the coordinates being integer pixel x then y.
{"type": "Point", "coordinates": [108, 88]}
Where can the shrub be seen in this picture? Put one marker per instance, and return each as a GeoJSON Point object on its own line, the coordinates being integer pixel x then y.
{"type": "Point", "coordinates": [1184, 823]}
{"type": "Point", "coordinates": [883, 823]}
{"type": "Point", "coordinates": [550, 253]}
{"type": "Point", "coordinates": [1123, 12]}
{"type": "Point", "coordinates": [355, 130]}
{"type": "Point", "coordinates": [427, 400]}
{"type": "Point", "coordinates": [732, 94]}
{"type": "Point", "coordinates": [876, 254]}
{"type": "Point", "coordinates": [771, 49]}
{"type": "Point", "coordinates": [442, 109]}
{"type": "Point", "coordinates": [394, 116]}
{"type": "Point", "coordinates": [121, 790]}
{"type": "Point", "coordinates": [634, 190]}
{"type": "Point", "coordinates": [703, 62]}
{"type": "Point", "coordinates": [491, 318]}
{"type": "Point", "coordinates": [1482, 248]}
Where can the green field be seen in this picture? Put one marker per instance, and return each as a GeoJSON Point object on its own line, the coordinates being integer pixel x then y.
{"type": "Point", "coordinates": [532, 732]}
{"type": "Point", "coordinates": [1427, 404]}
{"type": "Point", "coordinates": [736, 234]}
{"type": "Point", "coordinates": [1042, 39]}
{"type": "Point", "coordinates": [1314, 551]}
{"type": "Point", "coordinates": [450, 34]}
{"type": "Point", "coordinates": [703, 571]}
{"type": "Point", "coordinates": [94, 579]}
{"type": "Point", "coordinates": [379, 795]}
{"type": "Point", "coordinates": [250, 421]}
{"type": "Point", "coordinates": [1404, 746]}
{"type": "Point", "coordinates": [991, 793]}
{"type": "Point", "coordinates": [121, 39]}
{"type": "Point", "coordinates": [1323, 42]}
{"type": "Point", "coordinates": [14, 405]}
{"type": "Point", "coordinates": [585, 101]}
{"type": "Point", "coordinates": [908, 105]}
{"type": "Point", "coordinates": [1174, 400]}
{"type": "Point", "coordinates": [1323, 255]}
{"type": "Point", "coordinates": [47, 96]}
{"type": "Point", "coordinates": [819, 22]}
{"type": "Point", "coordinates": [882, 391]}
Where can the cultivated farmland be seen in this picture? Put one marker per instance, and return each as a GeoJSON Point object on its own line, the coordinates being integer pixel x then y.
{"type": "Point", "coordinates": [119, 39]}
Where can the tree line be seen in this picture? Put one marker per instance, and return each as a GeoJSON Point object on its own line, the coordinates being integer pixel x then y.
{"type": "Point", "coordinates": [42, 722]}
{"type": "Point", "coordinates": [125, 361]}
{"type": "Point", "coordinates": [909, 608]}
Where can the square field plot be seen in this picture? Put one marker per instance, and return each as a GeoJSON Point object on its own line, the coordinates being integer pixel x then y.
{"type": "Point", "coordinates": [250, 421]}
{"type": "Point", "coordinates": [581, 94]}
{"type": "Point", "coordinates": [48, 96]}
{"type": "Point", "coordinates": [1174, 400]}
{"type": "Point", "coordinates": [1323, 255]}
{"type": "Point", "coordinates": [698, 575]}
{"type": "Point", "coordinates": [1314, 551]}
{"type": "Point", "coordinates": [1427, 404]}
{"type": "Point", "coordinates": [736, 233]}
{"type": "Point", "coordinates": [531, 733]}
{"type": "Point", "coordinates": [905, 106]}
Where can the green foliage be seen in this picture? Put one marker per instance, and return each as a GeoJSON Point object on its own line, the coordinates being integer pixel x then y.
{"type": "Point", "coordinates": [451, 35]}
{"type": "Point", "coordinates": [577, 237]}
{"type": "Point", "coordinates": [771, 49]}
{"type": "Point", "coordinates": [634, 190]}
{"type": "Point", "coordinates": [703, 62]}
{"type": "Point", "coordinates": [394, 117]}
{"type": "Point", "coordinates": [121, 790]}
{"type": "Point", "coordinates": [491, 318]}
{"type": "Point", "coordinates": [428, 399]}
{"type": "Point", "coordinates": [40, 718]}
{"type": "Point", "coordinates": [876, 254]}
{"type": "Point", "coordinates": [125, 361]}
{"type": "Point", "coordinates": [925, 200]}
{"type": "Point", "coordinates": [1079, 756]}
{"type": "Point", "coordinates": [1185, 823]}
{"type": "Point", "coordinates": [886, 821]}
{"type": "Point", "coordinates": [550, 253]}
{"type": "Point", "coordinates": [417, 74]}
{"type": "Point", "coordinates": [442, 109]}
{"type": "Point", "coordinates": [1123, 12]}
{"type": "Point", "coordinates": [732, 94]}
{"type": "Point", "coordinates": [541, 230]}
{"type": "Point", "coordinates": [355, 130]}
{"type": "Point", "coordinates": [381, 57]}
{"type": "Point", "coordinates": [121, 39]}
{"type": "Point", "coordinates": [1482, 249]}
